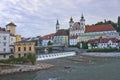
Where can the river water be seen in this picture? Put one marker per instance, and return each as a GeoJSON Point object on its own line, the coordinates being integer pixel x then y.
{"type": "Point", "coordinates": [66, 69]}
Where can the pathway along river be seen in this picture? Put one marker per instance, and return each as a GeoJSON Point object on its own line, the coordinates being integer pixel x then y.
{"type": "Point", "coordinates": [67, 69]}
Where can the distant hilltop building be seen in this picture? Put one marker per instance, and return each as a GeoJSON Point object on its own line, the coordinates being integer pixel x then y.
{"type": "Point", "coordinates": [119, 20]}
{"type": "Point", "coordinates": [79, 32]}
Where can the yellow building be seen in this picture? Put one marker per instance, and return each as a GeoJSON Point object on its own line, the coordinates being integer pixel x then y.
{"type": "Point", "coordinates": [18, 38]}
{"type": "Point", "coordinates": [22, 48]}
{"type": "Point", "coordinates": [11, 27]}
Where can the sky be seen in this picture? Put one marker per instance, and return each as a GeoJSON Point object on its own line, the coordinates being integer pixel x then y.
{"type": "Point", "coordinates": [38, 17]}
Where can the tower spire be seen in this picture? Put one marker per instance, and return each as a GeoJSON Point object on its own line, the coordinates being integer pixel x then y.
{"type": "Point", "coordinates": [57, 25]}
{"type": "Point", "coordinates": [82, 18]}
{"type": "Point", "coordinates": [57, 22]}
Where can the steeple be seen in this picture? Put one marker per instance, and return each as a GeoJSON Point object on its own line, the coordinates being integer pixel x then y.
{"type": "Point", "coordinates": [57, 25]}
{"type": "Point", "coordinates": [57, 22]}
{"type": "Point", "coordinates": [82, 18]}
{"type": "Point", "coordinates": [71, 20]}
{"type": "Point", "coordinates": [82, 24]}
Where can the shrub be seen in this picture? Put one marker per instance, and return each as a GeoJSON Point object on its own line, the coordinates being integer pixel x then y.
{"type": "Point", "coordinates": [104, 50]}
{"type": "Point", "coordinates": [31, 58]}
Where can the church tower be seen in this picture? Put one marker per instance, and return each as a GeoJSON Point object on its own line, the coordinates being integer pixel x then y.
{"type": "Point", "coordinates": [12, 28]}
{"type": "Point", "coordinates": [71, 22]}
{"type": "Point", "coordinates": [57, 26]}
{"type": "Point", "coordinates": [82, 24]}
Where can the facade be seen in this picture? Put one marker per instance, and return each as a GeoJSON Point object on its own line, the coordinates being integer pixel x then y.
{"type": "Point", "coordinates": [47, 38]}
{"type": "Point", "coordinates": [73, 40]}
{"type": "Point", "coordinates": [103, 43]}
{"type": "Point", "coordinates": [61, 37]}
{"type": "Point", "coordinates": [81, 33]}
{"type": "Point", "coordinates": [76, 28]}
{"type": "Point", "coordinates": [11, 27]}
{"type": "Point", "coordinates": [97, 31]}
{"type": "Point", "coordinates": [22, 48]}
{"type": "Point", "coordinates": [18, 38]}
{"type": "Point", "coordinates": [4, 44]}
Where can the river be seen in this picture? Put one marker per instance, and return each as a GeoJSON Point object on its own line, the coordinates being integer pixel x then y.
{"type": "Point", "coordinates": [66, 69]}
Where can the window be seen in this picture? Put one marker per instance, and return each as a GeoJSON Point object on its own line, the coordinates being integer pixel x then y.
{"type": "Point", "coordinates": [19, 55]}
{"type": "Point", "coordinates": [24, 54]}
{"type": "Point", "coordinates": [4, 37]}
{"type": "Point", "coordinates": [29, 48]}
{"type": "Point", "coordinates": [19, 48]}
{"type": "Point", "coordinates": [11, 50]}
{"type": "Point", "coordinates": [24, 48]}
{"type": "Point", "coordinates": [11, 39]}
{"type": "Point", "coordinates": [4, 43]}
{"type": "Point", "coordinates": [4, 50]}
{"type": "Point", "coordinates": [4, 56]}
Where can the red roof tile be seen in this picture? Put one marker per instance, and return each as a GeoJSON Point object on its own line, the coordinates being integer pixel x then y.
{"type": "Point", "coordinates": [98, 28]}
{"type": "Point", "coordinates": [103, 40]}
{"type": "Point", "coordinates": [48, 37]}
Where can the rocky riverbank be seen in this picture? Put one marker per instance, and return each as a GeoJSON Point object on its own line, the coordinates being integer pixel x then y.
{"type": "Point", "coordinates": [24, 68]}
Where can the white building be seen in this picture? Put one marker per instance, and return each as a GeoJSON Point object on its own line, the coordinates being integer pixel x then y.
{"type": "Point", "coordinates": [61, 37]}
{"type": "Point", "coordinates": [12, 41]}
{"type": "Point", "coordinates": [76, 28]}
{"type": "Point", "coordinates": [103, 43]}
{"type": "Point", "coordinates": [81, 33]}
{"type": "Point", "coordinates": [4, 44]}
{"type": "Point", "coordinates": [47, 38]}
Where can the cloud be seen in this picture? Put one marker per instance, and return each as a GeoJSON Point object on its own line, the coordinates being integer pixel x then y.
{"type": "Point", "coordinates": [38, 17]}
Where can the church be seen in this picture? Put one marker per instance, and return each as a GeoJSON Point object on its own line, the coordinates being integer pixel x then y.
{"type": "Point", "coordinates": [79, 32]}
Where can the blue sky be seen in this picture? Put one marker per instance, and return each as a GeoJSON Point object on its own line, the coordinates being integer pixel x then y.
{"type": "Point", "coordinates": [38, 17]}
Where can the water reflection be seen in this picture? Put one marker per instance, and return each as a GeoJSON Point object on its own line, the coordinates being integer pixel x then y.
{"type": "Point", "coordinates": [97, 69]}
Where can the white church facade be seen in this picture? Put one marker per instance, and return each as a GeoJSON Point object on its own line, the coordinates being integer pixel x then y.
{"type": "Point", "coordinates": [79, 32]}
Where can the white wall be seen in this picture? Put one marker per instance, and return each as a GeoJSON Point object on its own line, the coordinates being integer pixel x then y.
{"type": "Point", "coordinates": [4, 43]}
{"type": "Point", "coordinates": [12, 40]}
{"type": "Point", "coordinates": [73, 41]}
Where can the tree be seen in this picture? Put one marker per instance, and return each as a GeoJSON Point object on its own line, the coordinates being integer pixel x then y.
{"type": "Point", "coordinates": [85, 45]}
{"type": "Point", "coordinates": [49, 43]}
{"type": "Point", "coordinates": [50, 49]}
{"type": "Point", "coordinates": [31, 58]}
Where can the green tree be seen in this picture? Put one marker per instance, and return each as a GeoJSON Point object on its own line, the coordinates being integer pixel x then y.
{"type": "Point", "coordinates": [50, 49]}
{"type": "Point", "coordinates": [49, 43]}
{"type": "Point", "coordinates": [31, 58]}
{"type": "Point", "coordinates": [85, 45]}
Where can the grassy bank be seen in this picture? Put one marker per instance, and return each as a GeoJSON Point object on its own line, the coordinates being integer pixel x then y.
{"type": "Point", "coordinates": [104, 50]}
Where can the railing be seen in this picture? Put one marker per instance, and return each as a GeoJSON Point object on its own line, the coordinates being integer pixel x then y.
{"type": "Point", "coordinates": [55, 55]}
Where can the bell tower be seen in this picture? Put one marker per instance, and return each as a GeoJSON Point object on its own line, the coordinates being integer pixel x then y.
{"type": "Point", "coordinates": [82, 24]}
{"type": "Point", "coordinates": [11, 27]}
{"type": "Point", "coordinates": [71, 22]}
{"type": "Point", "coordinates": [57, 26]}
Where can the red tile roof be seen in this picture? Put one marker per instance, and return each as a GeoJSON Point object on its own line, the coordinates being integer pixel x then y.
{"type": "Point", "coordinates": [98, 28]}
{"type": "Point", "coordinates": [2, 29]}
{"type": "Point", "coordinates": [61, 32]}
{"type": "Point", "coordinates": [103, 40]}
{"type": "Point", "coordinates": [48, 37]}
